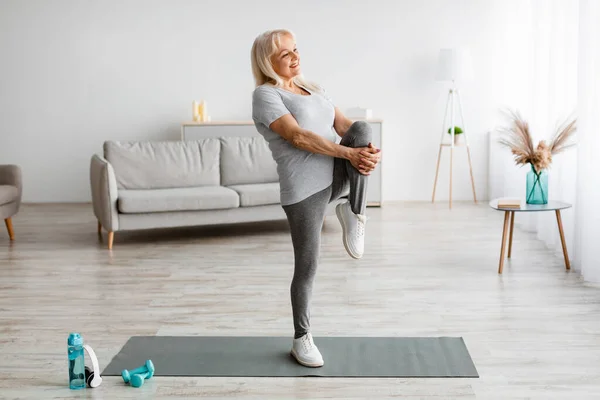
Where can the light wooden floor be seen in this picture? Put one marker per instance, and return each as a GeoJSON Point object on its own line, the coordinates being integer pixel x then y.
{"type": "Point", "coordinates": [533, 332]}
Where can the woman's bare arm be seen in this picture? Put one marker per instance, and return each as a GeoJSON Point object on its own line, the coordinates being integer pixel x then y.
{"type": "Point", "coordinates": [341, 124]}
{"type": "Point", "coordinates": [288, 128]}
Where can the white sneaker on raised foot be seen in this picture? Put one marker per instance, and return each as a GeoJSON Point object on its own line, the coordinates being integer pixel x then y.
{"type": "Point", "coordinates": [353, 227]}
{"type": "Point", "coordinates": [306, 353]}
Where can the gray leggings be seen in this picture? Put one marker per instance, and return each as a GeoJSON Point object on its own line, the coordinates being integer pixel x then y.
{"type": "Point", "coordinates": [306, 221]}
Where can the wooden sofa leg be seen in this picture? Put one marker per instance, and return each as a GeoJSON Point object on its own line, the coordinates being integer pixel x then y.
{"type": "Point", "coordinates": [9, 227]}
{"type": "Point", "coordinates": [111, 236]}
{"type": "Point", "coordinates": [99, 228]}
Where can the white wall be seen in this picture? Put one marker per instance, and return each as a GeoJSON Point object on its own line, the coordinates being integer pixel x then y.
{"type": "Point", "coordinates": [76, 73]}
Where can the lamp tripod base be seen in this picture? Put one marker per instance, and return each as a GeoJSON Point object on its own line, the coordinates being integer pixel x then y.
{"type": "Point", "coordinates": [452, 101]}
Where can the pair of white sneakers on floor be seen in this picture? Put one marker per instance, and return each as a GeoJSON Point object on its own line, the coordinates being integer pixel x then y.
{"type": "Point", "coordinates": [304, 349]}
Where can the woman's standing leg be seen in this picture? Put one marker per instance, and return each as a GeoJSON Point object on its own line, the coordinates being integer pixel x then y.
{"type": "Point", "coordinates": [306, 220]}
{"type": "Point", "coordinates": [346, 179]}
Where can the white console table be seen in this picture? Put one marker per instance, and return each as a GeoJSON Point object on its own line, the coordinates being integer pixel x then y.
{"type": "Point", "coordinates": [199, 130]}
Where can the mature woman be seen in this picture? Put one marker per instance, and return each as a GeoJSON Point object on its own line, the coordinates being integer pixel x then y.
{"type": "Point", "coordinates": [298, 120]}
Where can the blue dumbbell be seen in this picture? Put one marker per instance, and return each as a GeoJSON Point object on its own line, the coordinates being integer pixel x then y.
{"type": "Point", "coordinates": [147, 370]}
{"type": "Point", "coordinates": [137, 380]}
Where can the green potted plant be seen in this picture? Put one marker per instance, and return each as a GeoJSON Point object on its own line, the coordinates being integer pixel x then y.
{"type": "Point", "coordinates": [457, 132]}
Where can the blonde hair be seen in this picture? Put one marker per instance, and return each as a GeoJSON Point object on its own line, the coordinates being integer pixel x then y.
{"type": "Point", "coordinates": [264, 47]}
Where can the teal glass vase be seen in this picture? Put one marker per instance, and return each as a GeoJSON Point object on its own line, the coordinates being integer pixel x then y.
{"type": "Point", "coordinates": [537, 187]}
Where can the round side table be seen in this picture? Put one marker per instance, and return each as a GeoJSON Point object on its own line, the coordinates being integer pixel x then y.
{"type": "Point", "coordinates": [509, 214]}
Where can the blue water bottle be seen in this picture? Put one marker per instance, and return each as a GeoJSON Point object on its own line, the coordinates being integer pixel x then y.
{"type": "Point", "coordinates": [76, 361]}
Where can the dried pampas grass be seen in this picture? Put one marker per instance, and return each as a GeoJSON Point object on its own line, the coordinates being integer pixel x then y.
{"type": "Point", "coordinates": [517, 137]}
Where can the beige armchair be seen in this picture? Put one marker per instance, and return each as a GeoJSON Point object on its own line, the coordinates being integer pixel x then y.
{"type": "Point", "coordinates": [11, 187]}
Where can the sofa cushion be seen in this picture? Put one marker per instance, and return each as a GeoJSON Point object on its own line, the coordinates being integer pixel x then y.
{"type": "Point", "coordinates": [167, 164]}
{"type": "Point", "coordinates": [246, 160]}
{"type": "Point", "coordinates": [180, 199]}
{"type": "Point", "coordinates": [8, 194]}
{"type": "Point", "coordinates": [258, 194]}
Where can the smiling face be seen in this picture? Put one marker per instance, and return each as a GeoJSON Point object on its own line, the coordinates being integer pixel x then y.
{"type": "Point", "coordinates": [286, 60]}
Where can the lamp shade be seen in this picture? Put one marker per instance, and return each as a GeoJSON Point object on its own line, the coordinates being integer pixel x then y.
{"type": "Point", "coordinates": [454, 64]}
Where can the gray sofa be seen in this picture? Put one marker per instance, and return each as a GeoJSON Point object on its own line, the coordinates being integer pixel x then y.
{"type": "Point", "coordinates": [11, 188]}
{"type": "Point", "coordinates": [161, 184]}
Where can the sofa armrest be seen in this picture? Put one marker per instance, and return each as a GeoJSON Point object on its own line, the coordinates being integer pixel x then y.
{"type": "Point", "coordinates": [104, 193]}
{"type": "Point", "coordinates": [11, 175]}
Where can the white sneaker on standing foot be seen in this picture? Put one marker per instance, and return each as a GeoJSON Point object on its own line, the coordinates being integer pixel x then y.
{"type": "Point", "coordinates": [306, 353]}
{"type": "Point", "coordinates": [353, 227]}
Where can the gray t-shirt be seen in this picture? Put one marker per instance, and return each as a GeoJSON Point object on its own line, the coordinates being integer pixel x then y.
{"type": "Point", "coordinates": [301, 173]}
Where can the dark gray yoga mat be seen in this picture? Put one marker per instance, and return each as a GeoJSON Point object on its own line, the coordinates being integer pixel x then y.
{"type": "Point", "coordinates": [270, 357]}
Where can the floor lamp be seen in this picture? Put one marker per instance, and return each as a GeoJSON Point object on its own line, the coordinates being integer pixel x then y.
{"type": "Point", "coordinates": [453, 64]}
